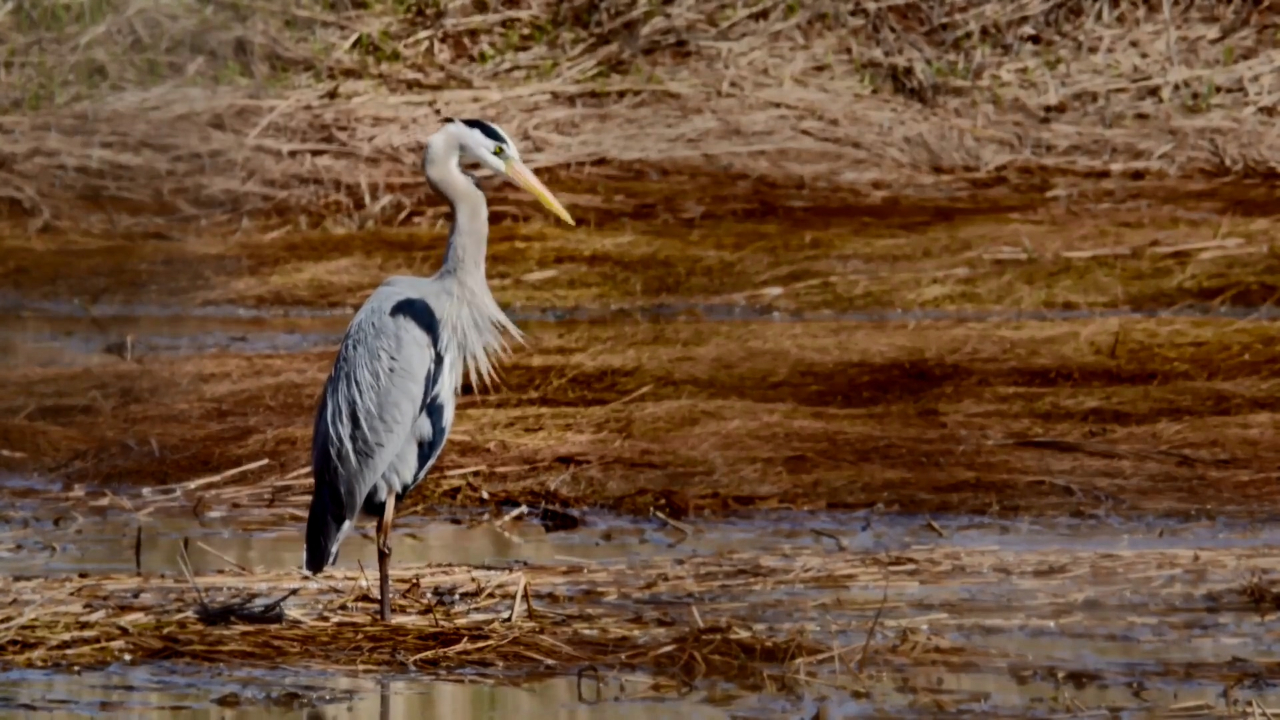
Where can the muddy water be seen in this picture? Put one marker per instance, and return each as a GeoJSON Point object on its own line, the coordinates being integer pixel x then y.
{"type": "Point", "coordinates": [55, 333]}
{"type": "Point", "coordinates": [16, 306]}
{"type": "Point", "coordinates": [177, 692]}
{"type": "Point", "coordinates": [57, 340]}
{"type": "Point", "coordinates": [50, 541]}
{"type": "Point", "coordinates": [58, 544]}
{"type": "Point", "coordinates": [65, 334]}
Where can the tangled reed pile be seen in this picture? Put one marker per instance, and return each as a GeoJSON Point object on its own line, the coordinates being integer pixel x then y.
{"type": "Point", "coordinates": [815, 612]}
{"type": "Point", "coordinates": [121, 113]}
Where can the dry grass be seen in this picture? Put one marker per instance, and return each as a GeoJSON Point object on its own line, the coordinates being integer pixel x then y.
{"type": "Point", "coordinates": [1166, 417]}
{"type": "Point", "coordinates": [1144, 256]}
{"type": "Point", "coordinates": [829, 622]}
{"type": "Point", "coordinates": [123, 114]}
{"type": "Point", "coordinates": [448, 619]}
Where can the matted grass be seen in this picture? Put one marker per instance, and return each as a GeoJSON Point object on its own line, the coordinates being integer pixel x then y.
{"type": "Point", "coordinates": [1082, 417]}
{"type": "Point", "coordinates": [818, 621]}
{"type": "Point", "coordinates": [1137, 255]}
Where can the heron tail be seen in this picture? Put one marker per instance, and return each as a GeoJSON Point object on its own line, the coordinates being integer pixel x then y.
{"type": "Point", "coordinates": [326, 524]}
{"type": "Point", "coordinates": [327, 520]}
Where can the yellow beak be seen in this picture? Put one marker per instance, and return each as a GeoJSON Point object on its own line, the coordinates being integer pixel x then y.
{"type": "Point", "coordinates": [525, 178]}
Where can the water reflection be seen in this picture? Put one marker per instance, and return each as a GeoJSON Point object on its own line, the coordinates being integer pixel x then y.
{"type": "Point", "coordinates": [1032, 694]}
{"type": "Point", "coordinates": [554, 700]}
{"type": "Point", "coordinates": [114, 546]}
{"type": "Point", "coordinates": [217, 695]}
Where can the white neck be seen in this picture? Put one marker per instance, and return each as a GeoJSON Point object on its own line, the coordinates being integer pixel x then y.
{"type": "Point", "coordinates": [472, 322]}
{"type": "Point", "coordinates": [469, 238]}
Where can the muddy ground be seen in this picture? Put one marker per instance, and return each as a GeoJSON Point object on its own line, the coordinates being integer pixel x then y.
{"type": "Point", "coordinates": [1084, 416]}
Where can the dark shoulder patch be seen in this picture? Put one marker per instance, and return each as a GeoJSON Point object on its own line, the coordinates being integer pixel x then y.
{"type": "Point", "coordinates": [420, 313]}
{"type": "Point", "coordinates": [487, 130]}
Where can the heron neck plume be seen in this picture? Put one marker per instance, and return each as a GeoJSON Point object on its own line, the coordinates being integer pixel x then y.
{"type": "Point", "coordinates": [472, 322]}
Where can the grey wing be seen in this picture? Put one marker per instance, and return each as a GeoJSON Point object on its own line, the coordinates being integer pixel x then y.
{"type": "Point", "coordinates": [369, 412]}
{"type": "Point", "coordinates": [421, 448]}
{"type": "Point", "coordinates": [415, 458]}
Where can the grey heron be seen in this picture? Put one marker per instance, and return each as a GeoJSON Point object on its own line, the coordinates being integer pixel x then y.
{"type": "Point", "coordinates": [389, 401]}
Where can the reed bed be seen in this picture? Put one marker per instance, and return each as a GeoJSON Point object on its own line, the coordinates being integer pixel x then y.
{"type": "Point", "coordinates": [1215, 251]}
{"type": "Point", "coordinates": [1080, 417]}
{"type": "Point", "coordinates": [816, 618]}
{"type": "Point", "coordinates": [139, 118]}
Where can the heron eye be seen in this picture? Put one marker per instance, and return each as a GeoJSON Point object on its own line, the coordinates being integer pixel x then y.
{"type": "Point", "coordinates": [498, 151]}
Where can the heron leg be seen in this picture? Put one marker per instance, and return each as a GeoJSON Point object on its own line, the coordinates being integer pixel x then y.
{"type": "Point", "coordinates": [384, 555]}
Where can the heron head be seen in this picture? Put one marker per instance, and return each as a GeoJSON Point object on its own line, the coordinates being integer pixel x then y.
{"type": "Point", "coordinates": [492, 148]}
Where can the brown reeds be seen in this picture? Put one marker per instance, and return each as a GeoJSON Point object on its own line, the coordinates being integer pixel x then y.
{"type": "Point", "coordinates": [544, 620]}
{"type": "Point", "coordinates": [1215, 251]}
{"type": "Point", "coordinates": [682, 619]}
{"type": "Point", "coordinates": [1081, 417]}
{"type": "Point", "coordinates": [123, 113]}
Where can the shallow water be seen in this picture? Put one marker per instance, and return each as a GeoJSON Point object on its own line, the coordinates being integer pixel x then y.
{"type": "Point", "coordinates": [67, 336]}
{"type": "Point", "coordinates": [43, 333]}
{"type": "Point", "coordinates": [47, 541]}
{"type": "Point", "coordinates": [60, 340]}
{"type": "Point", "coordinates": [174, 691]}
{"type": "Point", "coordinates": [64, 545]}
{"type": "Point", "coordinates": [205, 694]}
{"type": "Point", "coordinates": [14, 305]}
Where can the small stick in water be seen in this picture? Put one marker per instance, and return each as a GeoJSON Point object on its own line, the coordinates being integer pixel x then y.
{"type": "Point", "coordinates": [687, 530]}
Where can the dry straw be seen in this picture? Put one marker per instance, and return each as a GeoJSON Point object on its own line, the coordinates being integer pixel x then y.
{"type": "Point", "coordinates": [825, 620]}
{"type": "Point", "coordinates": [120, 110]}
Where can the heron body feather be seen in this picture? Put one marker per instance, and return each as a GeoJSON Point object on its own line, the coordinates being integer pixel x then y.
{"type": "Point", "coordinates": [389, 401]}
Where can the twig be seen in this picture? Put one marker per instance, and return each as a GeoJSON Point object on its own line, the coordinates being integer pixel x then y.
{"type": "Point", "coordinates": [697, 618]}
{"type": "Point", "coordinates": [687, 530]}
{"type": "Point", "coordinates": [839, 541]}
{"type": "Point", "coordinates": [632, 396]}
{"type": "Point", "coordinates": [510, 516]}
{"type": "Point", "coordinates": [515, 603]}
{"type": "Point", "coordinates": [528, 599]}
{"type": "Point", "coordinates": [190, 484]}
{"type": "Point", "coordinates": [226, 559]}
{"type": "Point", "coordinates": [871, 631]}
{"type": "Point", "coordinates": [185, 563]}
{"type": "Point", "coordinates": [934, 527]}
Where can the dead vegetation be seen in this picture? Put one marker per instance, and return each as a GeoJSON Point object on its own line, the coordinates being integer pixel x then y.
{"type": "Point", "coordinates": [1145, 256]}
{"type": "Point", "coordinates": [136, 117]}
{"type": "Point", "coordinates": [1082, 417]}
{"type": "Point", "coordinates": [835, 622]}
{"type": "Point", "coordinates": [539, 620]}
